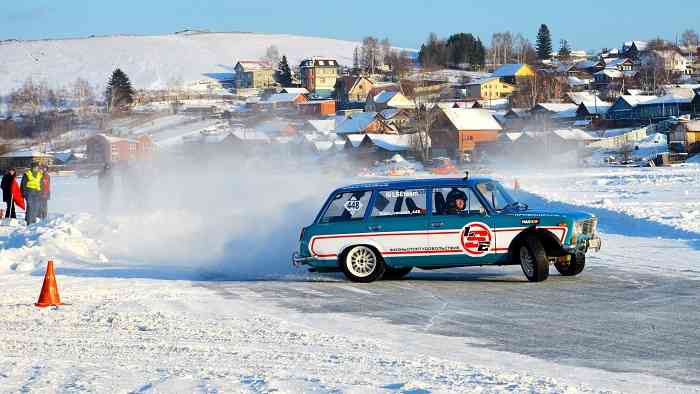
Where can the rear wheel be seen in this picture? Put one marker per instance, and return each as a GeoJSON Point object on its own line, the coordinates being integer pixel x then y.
{"type": "Point", "coordinates": [363, 264]}
{"type": "Point", "coordinates": [533, 259]}
{"type": "Point", "coordinates": [573, 266]}
{"type": "Point", "coordinates": [396, 273]}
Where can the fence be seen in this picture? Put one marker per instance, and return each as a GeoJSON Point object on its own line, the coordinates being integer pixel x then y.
{"type": "Point", "coordinates": [621, 140]}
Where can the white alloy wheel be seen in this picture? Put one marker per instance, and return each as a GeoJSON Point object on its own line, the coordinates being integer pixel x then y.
{"type": "Point", "coordinates": [527, 261]}
{"type": "Point", "coordinates": [361, 261]}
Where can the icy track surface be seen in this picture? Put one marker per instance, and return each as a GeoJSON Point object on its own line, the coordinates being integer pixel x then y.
{"type": "Point", "coordinates": [224, 314]}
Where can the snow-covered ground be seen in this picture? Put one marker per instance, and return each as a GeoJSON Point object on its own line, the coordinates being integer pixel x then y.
{"type": "Point", "coordinates": [668, 195]}
{"type": "Point", "coordinates": [151, 62]}
{"type": "Point", "coordinates": [141, 316]}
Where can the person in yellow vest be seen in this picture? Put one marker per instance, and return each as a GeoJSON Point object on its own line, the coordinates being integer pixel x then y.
{"type": "Point", "coordinates": [31, 190]}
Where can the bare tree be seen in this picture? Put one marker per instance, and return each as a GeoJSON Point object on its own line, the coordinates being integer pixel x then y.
{"type": "Point", "coordinates": [501, 51]}
{"type": "Point", "coordinates": [27, 99]}
{"type": "Point", "coordinates": [272, 55]}
{"type": "Point", "coordinates": [399, 63]}
{"type": "Point", "coordinates": [370, 54]}
{"type": "Point", "coordinates": [425, 115]}
{"type": "Point", "coordinates": [84, 94]}
{"type": "Point", "coordinates": [690, 39]}
{"type": "Point", "coordinates": [653, 73]}
{"type": "Point", "coordinates": [386, 50]}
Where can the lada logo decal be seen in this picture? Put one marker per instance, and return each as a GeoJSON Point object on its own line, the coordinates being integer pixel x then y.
{"type": "Point", "coordinates": [476, 239]}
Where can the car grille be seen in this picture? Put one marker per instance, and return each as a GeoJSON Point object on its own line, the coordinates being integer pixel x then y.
{"type": "Point", "coordinates": [589, 226]}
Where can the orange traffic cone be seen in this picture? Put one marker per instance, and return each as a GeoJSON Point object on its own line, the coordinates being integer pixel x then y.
{"type": "Point", "coordinates": [49, 291]}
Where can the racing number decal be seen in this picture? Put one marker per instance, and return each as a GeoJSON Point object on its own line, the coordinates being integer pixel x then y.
{"type": "Point", "coordinates": [353, 205]}
{"type": "Point", "coordinates": [476, 239]}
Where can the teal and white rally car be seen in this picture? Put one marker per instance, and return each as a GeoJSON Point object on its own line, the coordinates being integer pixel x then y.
{"type": "Point", "coordinates": [382, 230]}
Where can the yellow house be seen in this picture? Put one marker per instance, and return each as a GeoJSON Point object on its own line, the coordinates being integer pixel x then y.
{"type": "Point", "coordinates": [254, 74]}
{"type": "Point", "coordinates": [318, 75]}
{"type": "Point", "coordinates": [489, 89]}
{"type": "Point", "coordinates": [510, 73]}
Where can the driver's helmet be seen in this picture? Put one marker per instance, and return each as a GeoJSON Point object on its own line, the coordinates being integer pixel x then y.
{"type": "Point", "coordinates": [453, 196]}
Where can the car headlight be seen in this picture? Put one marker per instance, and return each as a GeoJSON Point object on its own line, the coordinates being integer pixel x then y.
{"type": "Point", "coordinates": [578, 227]}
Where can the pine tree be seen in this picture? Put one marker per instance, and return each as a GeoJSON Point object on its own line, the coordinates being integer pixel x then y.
{"type": "Point", "coordinates": [284, 76]}
{"type": "Point", "coordinates": [544, 43]}
{"type": "Point", "coordinates": [119, 92]}
{"type": "Point", "coordinates": [564, 51]}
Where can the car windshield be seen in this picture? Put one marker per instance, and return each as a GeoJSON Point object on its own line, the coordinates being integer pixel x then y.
{"type": "Point", "coordinates": [496, 196]}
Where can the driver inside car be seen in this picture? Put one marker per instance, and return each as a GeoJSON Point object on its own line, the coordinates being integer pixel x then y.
{"type": "Point", "coordinates": [456, 202]}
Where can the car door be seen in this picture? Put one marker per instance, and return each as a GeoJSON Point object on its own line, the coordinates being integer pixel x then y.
{"type": "Point", "coordinates": [398, 222]}
{"type": "Point", "coordinates": [460, 235]}
{"type": "Point", "coordinates": [341, 224]}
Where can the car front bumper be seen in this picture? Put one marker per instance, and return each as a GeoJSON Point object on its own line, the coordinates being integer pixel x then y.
{"type": "Point", "coordinates": [584, 245]}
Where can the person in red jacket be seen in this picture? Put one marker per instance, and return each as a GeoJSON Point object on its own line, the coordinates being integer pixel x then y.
{"type": "Point", "coordinates": [45, 193]}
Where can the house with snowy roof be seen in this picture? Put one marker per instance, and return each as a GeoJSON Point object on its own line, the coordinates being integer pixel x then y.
{"type": "Point", "coordinates": [23, 158]}
{"type": "Point", "coordinates": [352, 92]}
{"type": "Point", "coordinates": [632, 49]}
{"type": "Point", "coordinates": [461, 130]}
{"type": "Point", "coordinates": [554, 113]}
{"type": "Point", "coordinates": [511, 73]}
{"type": "Point", "coordinates": [625, 107]}
{"type": "Point", "coordinates": [593, 109]}
{"type": "Point", "coordinates": [489, 89]}
{"type": "Point", "coordinates": [364, 123]}
{"type": "Point", "coordinates": [687, 134]}
{"type": "Point", "coordinates": [676, 102]}
{"type": "Point", "coordinates": [388, 99]}
{"type": "Point", "coordinates": [285, 99]}
{"type": "Point", "coordinates": [254, 74]}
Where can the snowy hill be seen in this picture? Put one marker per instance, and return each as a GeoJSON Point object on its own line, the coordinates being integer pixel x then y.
{"type": "Point", "coordinates": [151, 61]}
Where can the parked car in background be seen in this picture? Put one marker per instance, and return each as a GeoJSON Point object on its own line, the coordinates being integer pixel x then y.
{"type": "Point", "coordinates": [443, 166]}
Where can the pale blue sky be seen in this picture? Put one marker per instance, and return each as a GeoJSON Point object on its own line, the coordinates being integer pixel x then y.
{"type": "Point", "coordinates": [585, 24]}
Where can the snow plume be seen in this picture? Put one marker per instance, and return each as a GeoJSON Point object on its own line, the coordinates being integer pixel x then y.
{"type": "Point", "coordinates": [213, 218]}
{"type": "Point", "coordinates": [221, 217]}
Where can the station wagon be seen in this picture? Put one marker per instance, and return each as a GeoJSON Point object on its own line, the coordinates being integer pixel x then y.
{"type": "Point", "coordinates": [385, 229]}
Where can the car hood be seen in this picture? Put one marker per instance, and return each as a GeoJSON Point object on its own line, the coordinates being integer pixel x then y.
{"type": "Point", "coordinates": [572, 215]}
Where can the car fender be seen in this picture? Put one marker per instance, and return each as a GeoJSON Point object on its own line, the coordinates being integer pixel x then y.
{"type": "Point", "coordinates": [364, 241]}
{"type": "Point", "coordinates": [337, 248]}
{"type": "Point", "coordinates": [551, 243]}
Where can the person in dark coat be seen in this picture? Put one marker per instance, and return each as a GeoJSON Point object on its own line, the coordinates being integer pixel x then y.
{"type": "Point", "coordinates": [105, 182]}
{"type": "Point", "coordinates": [7, 181]}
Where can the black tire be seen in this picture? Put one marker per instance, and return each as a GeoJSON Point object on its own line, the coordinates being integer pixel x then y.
{"type": "Point", "coordinates": [362, 264]}
{"type": "Point", "coordinates": [536, 268]}
{"type": "Point", "coordinates": [396, 273]}
{"type": "Point", "coordinates": [572, 267]}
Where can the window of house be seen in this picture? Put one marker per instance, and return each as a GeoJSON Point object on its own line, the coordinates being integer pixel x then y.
{"type": "Point", "coordinates": [400, 202]}
{"type": "Point", "coordinates": [347, 206]}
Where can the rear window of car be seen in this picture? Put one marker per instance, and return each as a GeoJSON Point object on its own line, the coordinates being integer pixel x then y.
{"type": "Point", "coordinates": [347, 206]}
{"type": "Point", "coordinates": [400, 202]}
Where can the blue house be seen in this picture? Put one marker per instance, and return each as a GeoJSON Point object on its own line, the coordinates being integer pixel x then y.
{"type": "Point", "coordinates": [625, 107]}
{"type": "Point", "coordinates": [676, 102]}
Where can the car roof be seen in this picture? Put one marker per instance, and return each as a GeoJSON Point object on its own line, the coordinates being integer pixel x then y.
{"type": "Point", "coordinates": [414, 183]}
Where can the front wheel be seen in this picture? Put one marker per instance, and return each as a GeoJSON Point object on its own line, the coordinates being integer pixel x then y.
{"type": "Point", "coordinates": [533, 259]}
{"type": "Point", "coordinates": [573, 266]}
{"type": "Point", "coordinates": [363, 264]}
